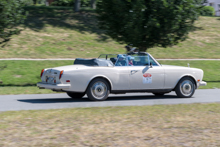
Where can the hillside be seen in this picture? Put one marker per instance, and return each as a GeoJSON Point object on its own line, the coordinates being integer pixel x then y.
{"type": "Point", "coordinates": [60, 33]}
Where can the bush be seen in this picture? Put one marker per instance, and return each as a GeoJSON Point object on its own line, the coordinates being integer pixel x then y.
{"type": "Point", "coordinates": [85, 3]}
{"type": "Point", "coordinates": [63, 3]}
{"type": "Point", "coordinates": [207, 11]}
{"type": "Point", "coordinates": [69, 3]}
{"type": "Point", "coordinates": [27, 2]}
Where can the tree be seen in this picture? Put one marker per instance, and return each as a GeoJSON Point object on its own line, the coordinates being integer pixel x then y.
{"type": "Point", "coordinates": [35, 2]}
{"type": "Point", "coordinates": [77, 6]}
{"type": "Point", "coordinates": [11, 14]}
{"type": "Point", "coordinates": [148, 23]}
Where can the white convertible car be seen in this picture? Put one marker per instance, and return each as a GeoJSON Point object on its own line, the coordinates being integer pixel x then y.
{"type": "Point", "coordinates": [121, 73]}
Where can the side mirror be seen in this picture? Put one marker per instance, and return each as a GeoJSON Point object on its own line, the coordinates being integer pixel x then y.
{"type": "Point", "coordinates": [151, 65]}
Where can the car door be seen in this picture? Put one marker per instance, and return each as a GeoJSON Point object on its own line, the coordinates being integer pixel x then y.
{"type": "Point", "coordinates": [145, 74]}
{"type": "Point", "coordinates": [121, 74]}
{"type": "Point", "coordinates": [120, 78]}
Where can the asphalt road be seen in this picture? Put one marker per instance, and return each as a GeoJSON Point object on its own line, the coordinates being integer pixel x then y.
{"type": "Point", "coordinates": [57, 101]}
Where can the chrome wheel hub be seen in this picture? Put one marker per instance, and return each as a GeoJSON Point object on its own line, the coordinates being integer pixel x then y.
{"type": "Point", "coordinates": [186, 88]}
{"type": "Point", "coordinates": [99, 90]}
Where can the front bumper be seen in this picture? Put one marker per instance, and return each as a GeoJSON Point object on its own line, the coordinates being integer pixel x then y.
{"type": "Point", "coordinates": [202, 83]}
{"type": "Point", "coordinates": [53, 86]}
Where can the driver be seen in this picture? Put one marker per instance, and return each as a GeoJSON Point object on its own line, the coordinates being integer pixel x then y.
{"type": "Point", "coordinates": [121, 60]}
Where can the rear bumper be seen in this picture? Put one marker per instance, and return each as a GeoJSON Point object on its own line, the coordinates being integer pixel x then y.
{"type": "Point", "coordinates": [53, 86]}
{"type": "Point", "coordinates": [202, 83]}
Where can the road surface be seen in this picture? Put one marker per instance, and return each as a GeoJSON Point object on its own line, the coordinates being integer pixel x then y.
{"type": "Point", "coordinates": [57, 101]}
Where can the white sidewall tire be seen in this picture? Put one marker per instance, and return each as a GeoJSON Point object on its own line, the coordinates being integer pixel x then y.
{"type": "Point", "coordinates": [185, 87]}
{"type": "Point", "coordinates": [98, 90]}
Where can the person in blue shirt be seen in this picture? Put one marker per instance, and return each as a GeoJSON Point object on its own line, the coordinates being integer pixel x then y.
{"type": "Point", "coordinates": [121, 60]}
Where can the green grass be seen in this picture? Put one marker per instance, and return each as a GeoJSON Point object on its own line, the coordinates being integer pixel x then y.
{"type": "Point", "coordinates": [26, 73]}
{"type": "Point", "coordinates": [20, 77]}
{"type": "Point", "coordinates": [202, 43]}
{"type": "Point", "coordinates": [58, 32]}
{"type": "Point", "coordinates": [16, 90]}
{"type": "Point", "coordinates": [211, 70]}
{"type": "Point", "coordinates": [164, 125]}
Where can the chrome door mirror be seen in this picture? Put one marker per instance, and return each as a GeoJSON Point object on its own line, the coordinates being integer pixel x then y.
{"type": "Point", "coordinates": [151, 65]}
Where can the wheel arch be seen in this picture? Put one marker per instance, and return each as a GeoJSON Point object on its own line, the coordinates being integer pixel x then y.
{"type": "Point", "coordinates": [190, 76]}
{"type": "Point", "coordinates": [100, 76]}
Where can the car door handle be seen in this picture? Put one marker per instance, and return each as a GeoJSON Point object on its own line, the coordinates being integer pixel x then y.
{"type": "Point", "coordinates": [134, 71]}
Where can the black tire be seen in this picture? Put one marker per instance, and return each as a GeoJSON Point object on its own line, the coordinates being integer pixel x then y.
{"type": "Point", "coordinates": [98, 90]}
{"type": "Point", "coordinates": [75, 95]}
{"type": "Point", "coordinates": [159, 94]}
{"type": "Point", "coordinates": [185, 88]}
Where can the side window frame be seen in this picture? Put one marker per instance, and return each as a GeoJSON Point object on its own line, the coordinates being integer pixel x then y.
{"type": "Point", "coordinates": [141, 58]}
{"type": "Point", "coordinates": [148, 58]}
{"type": "Point", "coordinates": [155, 61]}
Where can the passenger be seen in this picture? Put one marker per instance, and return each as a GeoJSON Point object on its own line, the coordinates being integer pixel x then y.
{"type": "Point", "coordinates": [121, 60]}
{"type": "Point", "coordinates": [130, 61]}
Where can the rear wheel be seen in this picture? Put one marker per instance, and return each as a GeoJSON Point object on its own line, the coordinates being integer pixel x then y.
{"type": "Point", "coordinates": [185, 88]}
{"type": "Point", "coordinates": [75, 95]}
{"type": "Point", "coordinates": [98, 90]}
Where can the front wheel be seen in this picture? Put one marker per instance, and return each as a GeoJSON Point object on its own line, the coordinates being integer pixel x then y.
{"type": "Point", "coordinates": [98, 90]}
{"type": "Point", "coordinates": [185, 88]}
{"type": "Point", "coordinates": [75, 95]}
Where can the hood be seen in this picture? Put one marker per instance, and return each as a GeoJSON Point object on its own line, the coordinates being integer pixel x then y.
{"type": "Point", "coordinates": [179, 67]}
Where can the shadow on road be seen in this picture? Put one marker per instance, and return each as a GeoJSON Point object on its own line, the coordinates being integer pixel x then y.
{"type": "Point", "coordinates": [53, 100]}
{"type": "Point", "coordinates": [85, 99]}
{"type": "Point", "coordinates": [147, 97]}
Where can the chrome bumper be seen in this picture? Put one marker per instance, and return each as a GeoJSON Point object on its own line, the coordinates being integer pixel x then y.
{"type": "Point", "coordinates": [53, 86]}
{"type": "Point", "coordinates": [202, 83]}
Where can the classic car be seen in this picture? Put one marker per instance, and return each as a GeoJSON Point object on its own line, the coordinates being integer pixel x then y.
{"type": "Point", "coordinates": [121, 73]}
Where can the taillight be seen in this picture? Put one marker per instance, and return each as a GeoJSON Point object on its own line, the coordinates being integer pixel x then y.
{"type": "Point", "coordinates": [61, 73]}
{"type": "Point", "coordinates": [42, 71]}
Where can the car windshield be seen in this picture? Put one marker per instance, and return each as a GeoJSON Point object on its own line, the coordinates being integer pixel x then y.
{"type": "Point", "coordinates": [129, 60]}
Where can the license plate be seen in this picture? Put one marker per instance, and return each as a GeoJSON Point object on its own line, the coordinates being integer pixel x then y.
{"type": "Point", "coordinates": [50, 79]}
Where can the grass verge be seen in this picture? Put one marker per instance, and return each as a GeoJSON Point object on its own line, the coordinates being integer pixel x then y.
{"type": "Point", "coordinates": [58, 32]}
{"type": "Point", "coordinates": [15, 90]}
{"type": "Point", "coordinates": [164, 125]}
{"type": "Point", "coordinates": [211, 71]}
{"type": "Point", "coordinates": [26, 73]}
{"type": "Point", "coordinates": [20, 77]}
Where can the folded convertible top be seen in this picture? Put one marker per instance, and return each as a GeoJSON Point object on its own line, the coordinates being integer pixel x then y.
{"type": "Point", "coordinates": [93, 62]}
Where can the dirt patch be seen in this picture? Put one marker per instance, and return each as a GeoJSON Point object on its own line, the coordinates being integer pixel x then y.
{"type": "Point", "coordinates": [17, 76]}
{"type": "Point", "coordinates": [200, 43]}
{"type": "Point", "coordinates": [69, 48]}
